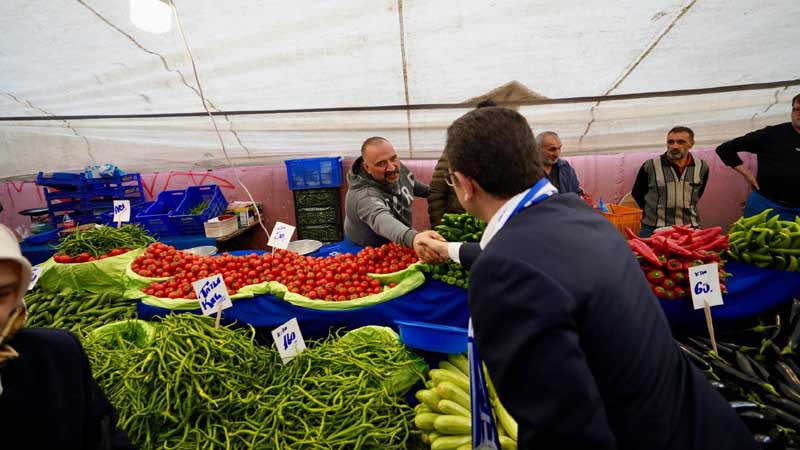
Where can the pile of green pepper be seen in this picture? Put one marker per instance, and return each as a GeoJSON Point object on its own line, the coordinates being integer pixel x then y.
{"type": "Point", "coordinates": [102, 239]}
{"type": "Point", "coordinates": [194, 386]}
{"type": "Point", "coordinates": [765, 241]}
{"type": "Point", "coordinates": [199, 208]}
{"type": "Point", "coordinates": [76, 310]}
{"type": "Point", "coordinates": [461, 228]}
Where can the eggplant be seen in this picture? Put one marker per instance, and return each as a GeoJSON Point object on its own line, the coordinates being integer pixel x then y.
{"type": "Point", "coordinates": [696, 359]}
{"type": "Point", "coordinates": [780, 402]}
{"type": "Point", "coordinates": [787, 374]}
{"type": "Point", "coordinates": [730, 392]}
{"type": "Point", "coordinates": [757, 422]}
{"type": "Point", "coordinates": [794, 312]}
{"type": "Point", "coordinates": [724, 349]}
{"type": "Point", "coordinates": [788, 392]}
{"type": "Point", "coordinates": [742, 405]}
{"type": "Point", "coordinates": [698, 345]}
{"type": "Point", "coordinates": [722, 369]}
{"type": "Point", "coordinates": [791, 344]}
{"type": "Point", "coordinates": [790, 362]}
{"type": "Point", "coordinates": [784, 417]}
{"type": "Point", "coordinates": [744, 365]}
{"type": "Point", "coordinates": [759, 368]}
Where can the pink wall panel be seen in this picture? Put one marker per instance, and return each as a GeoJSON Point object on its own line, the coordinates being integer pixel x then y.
{"type": "Point", "coordinates": [609, 176]}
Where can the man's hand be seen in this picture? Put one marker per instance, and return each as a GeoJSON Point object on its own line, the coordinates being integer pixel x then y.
{"type": "Point", "coordinates": [742, 169]}
{"type": "Point", "coordinates": [431, 247]}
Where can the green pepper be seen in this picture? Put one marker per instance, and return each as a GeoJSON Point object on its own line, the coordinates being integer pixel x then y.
{"type": "Point", "coordinates": [780, 262]}
{"type": "Point", "coordinates": [793, 264]}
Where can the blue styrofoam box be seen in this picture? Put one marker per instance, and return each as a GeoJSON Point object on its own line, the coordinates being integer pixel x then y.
{"type": "Point", "coordinates": [314, 173]}
{"type": "Point", "coordinates": [433, 337]}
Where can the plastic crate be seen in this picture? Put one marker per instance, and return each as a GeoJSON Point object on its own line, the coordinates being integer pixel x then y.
{"type": "Point", "coordinates": [108, 216]}
{"type": "Point", "coordinates": [194, 223]}
{"type": "Point", "coordinates": [125, 185]}
{"type": "Point", "coordinates": [624, 217]}
{"type": "Point", "coordinates": [306, 198]}
{"type": "Point", "coordinates": [317, 216]}
{"type": "Point", "coordinates": [314, 173]}
{"type": "Point", "coordinates": [322, 233]}
{"type": "Point", "coordinates": [41, 238]}
{"type": "Point", "coordinates": [60, 180]}
{"type": "Point", "coordinates": [155, 218]}
{"type": "Point", "coordinates": [433, 337]}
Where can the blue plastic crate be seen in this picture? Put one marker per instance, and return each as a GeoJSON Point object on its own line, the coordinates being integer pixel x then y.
{"type": "Point", "coordinates": [60, 180]}
{"type": "Point", "coordinates": [156, 219]}
{"type": "Point", "coordinates": [119, 186]}
{"type": "Point", "coordinates": [314, 173]}
{"type": "Point", "coordinates": [433, 337]}
{"type": "Point", "coordinates": [193, 223]}
{"type": "Point", "coordinates": [41, 238]}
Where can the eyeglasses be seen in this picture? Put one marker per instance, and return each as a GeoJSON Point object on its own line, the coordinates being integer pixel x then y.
{"type": "Point", "coordinates": [448, 178]}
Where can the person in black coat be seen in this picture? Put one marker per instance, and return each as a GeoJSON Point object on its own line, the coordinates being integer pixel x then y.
{"type": "Point", "coordinates": [575, 342]}
{"type": "Point", "coordinates": [48, 398]}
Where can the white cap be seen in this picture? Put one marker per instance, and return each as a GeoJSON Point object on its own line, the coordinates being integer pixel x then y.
{"type": "Point", "coordinates": [9, 249]}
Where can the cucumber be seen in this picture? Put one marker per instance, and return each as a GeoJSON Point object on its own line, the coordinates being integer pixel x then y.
{"type": "Point", "coordinates": [429, 397]}
{"type": "Point", "coordinates": [440, 375]}
{"type": "Point", "coordinates": [450, 391]}
{"type": "Point", "coordinates": [506, 443]}
{"type": "Point", "coordinates": [461, 362]}
{"type": "Point", "coordinates": [450, 407]}
{"type": "Point", "coordinates": [425, 421]}
{"type": "Point", "coordinates": [450, 442]}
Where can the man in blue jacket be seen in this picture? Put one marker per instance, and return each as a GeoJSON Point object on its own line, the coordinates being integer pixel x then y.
{"type": "Point", "coordinates": [574, 339]}
{"type": "Point", "coordinates": [558, 171]}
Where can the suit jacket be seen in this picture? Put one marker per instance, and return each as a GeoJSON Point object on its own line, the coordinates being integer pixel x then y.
{"type": "Point", "coordinates": [577, 345]}
{"type": "Point", "coordinates": [50, 399]}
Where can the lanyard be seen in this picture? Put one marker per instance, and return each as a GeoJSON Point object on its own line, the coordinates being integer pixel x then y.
{"type": "Point", "coordinates": [541, 190]}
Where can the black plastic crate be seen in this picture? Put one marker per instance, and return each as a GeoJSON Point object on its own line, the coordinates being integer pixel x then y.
{"type": "Point", "coordinates": [322, 233]}
{"type": "Point", "coordinates": [318, 216]}
{"type": "Point", "coordinates": [308, 198]}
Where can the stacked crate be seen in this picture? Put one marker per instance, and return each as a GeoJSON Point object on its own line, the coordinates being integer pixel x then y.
{"type": "Point", "coordinates": [87, 200]}
{"type": "Point", "coordinates": [315, 183]}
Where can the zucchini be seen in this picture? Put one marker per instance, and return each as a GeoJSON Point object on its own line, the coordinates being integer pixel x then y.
{"type": "Point", "coordinates": [450, 407]}
{"type": "Point", "coordinates": [450, 391]}
{"type": "Point", "coordinates": [440, 375]}
{"type": "Point", "coordinates": [450, 442]}
{"type": "Point", "coordinates": [461, 362]}
{"type": "Point", "coordinates": [506, 443]}
{"type": "Point", "coordinates": [452, 424]}
{"type": "Point", "coordinates": [506, 421]}
{"type": "Point", "coordinates": [425, 421]}
{"type": "Point", "coordinates": [429, 397]}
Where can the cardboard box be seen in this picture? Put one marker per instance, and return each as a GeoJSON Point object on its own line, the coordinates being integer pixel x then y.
{"type": "Point", "coordinates": [245, 213]}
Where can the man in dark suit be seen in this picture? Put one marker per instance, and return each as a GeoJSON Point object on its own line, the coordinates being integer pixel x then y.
{"type": "Point", "coordinates": [575, 342]}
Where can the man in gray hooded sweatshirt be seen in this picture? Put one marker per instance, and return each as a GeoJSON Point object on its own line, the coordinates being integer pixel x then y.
{"type": "Point", "coordinates": [378, 202]}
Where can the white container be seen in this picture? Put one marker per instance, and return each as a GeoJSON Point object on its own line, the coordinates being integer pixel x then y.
{"type": "Point", "coordinates": [218, 228]}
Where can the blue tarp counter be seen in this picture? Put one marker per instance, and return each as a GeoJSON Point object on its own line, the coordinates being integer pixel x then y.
{"type": "Point", "coordinates": [434, 301]}
{"type": "Point", "coordinates": [751, 291]}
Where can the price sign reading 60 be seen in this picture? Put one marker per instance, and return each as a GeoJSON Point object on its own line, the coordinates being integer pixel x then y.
{"type": "Point", "coordinates": [702, 288]}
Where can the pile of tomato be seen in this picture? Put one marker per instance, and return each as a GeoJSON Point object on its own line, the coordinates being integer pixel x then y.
{"type": "Point", "coordinates": [333, 278]}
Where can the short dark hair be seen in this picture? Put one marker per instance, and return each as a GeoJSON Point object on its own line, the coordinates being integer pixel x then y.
{"type": "Point", "coordinates": [495, 147]}
{"type": "Point", "coordinates": [682, 129]}
{"type": "Point", "coordinates": [795, 99]}
{"type": "Point", "coordinates": [371, 141]}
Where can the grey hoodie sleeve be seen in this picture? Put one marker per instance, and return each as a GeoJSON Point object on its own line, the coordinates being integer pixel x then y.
{"type": "Point", "coordinates": [377, 215]}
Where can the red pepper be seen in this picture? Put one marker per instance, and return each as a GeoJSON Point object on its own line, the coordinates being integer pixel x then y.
{"type": "Point", "coordinates": [668, 294]}
{"type": "Point", "coordinates": [717, 244]}
{"type": "Point", "coordinates": [674, 264]}
{"type": "Point", "coordinates": [669, 283]}
{"type": "Point", "coordinates": [679, 292]}
{"type": "Point", "coordinates": [683, 240]}
{"type": "Point", "coordinates": [684, 229]}
{"type": "Point", "coordinates": [667, 233]}
{"type": "Point", "coordinates": [676, 248]}
{"type": "Point", "coordinates": [659, 291]}
{"type": "Point", "coordinates": [704, 237]}
{"type": "Point", "coordinates": [655, 276]}
{"type": "Point", "coordinates": [643, 249]}
{"type": "Point", "coordinates": [678, 277]}
{"type": "Point", "coordinates": [631, 234]}
{"type": "Point", "coordinates": [659, 243]}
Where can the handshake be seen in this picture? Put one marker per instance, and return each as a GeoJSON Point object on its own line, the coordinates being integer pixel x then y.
{"type": "Point", "coordinates": [431, 247]}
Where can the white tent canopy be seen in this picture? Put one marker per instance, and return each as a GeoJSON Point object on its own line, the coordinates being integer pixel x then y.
{"type": "Point", "coordinates": [84, 58]}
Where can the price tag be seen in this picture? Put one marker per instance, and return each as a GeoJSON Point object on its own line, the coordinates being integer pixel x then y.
{"type": "Point", "coordinates": [36, 272]}
{"type": "Point", "coordinates": [212, 292]}
{"type": "Point", "coordinates": [122, 211]}
{"type": "Point", "coordinates": [704, 285]}
{"type": "Point", "coordinates": [281, 235]}
{"type": "Point", "coordinates": [289, 340]}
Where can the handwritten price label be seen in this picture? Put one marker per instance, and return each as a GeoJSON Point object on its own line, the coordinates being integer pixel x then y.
{"type": "Point", "coordinates": [36, 272]}
{"type": "Point", "coordinates": [289, 340]}
{"type": "Point", "coordinates": [122, 211]}
{"type": "Point", "coordinates": [212, 292]}
{"type": "Point", "coordinates": [281, 235]}
{"type": "Point", "coordinates": [704, 284]}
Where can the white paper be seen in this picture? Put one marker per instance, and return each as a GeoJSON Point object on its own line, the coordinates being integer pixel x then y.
{"type": "Point", "coordinates": [211, 292]}
{"type": "Point", "coordinates": [122, 211]}
{"type": "Point", "coordinates": [704, 285]}
{"type": "Point", "coordinates": [281, 235]}
{"type": "Point", "coordinates": [36, 272]}
{"type": "Point", "coordinates": [289, 340]}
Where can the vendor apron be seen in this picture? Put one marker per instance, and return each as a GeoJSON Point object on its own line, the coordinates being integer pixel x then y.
{"type": "Point", "coordinates": [757, 203]}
